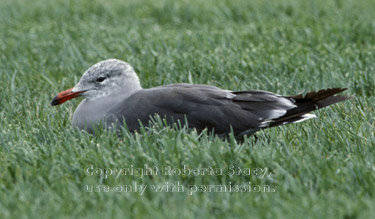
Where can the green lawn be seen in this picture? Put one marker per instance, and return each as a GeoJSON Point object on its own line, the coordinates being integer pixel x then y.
{"type": "Point", "coordinates": [321, 168]}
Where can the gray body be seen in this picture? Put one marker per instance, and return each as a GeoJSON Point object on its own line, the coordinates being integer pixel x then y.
{"type": "Point", "coordinates": [203, 106]}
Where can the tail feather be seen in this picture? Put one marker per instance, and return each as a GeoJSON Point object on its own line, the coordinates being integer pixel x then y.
{"type": "Point", "coordinates": [310, 102]}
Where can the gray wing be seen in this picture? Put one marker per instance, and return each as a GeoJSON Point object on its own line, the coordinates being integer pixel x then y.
{"type": "Point", "coordinates": [204, 107]}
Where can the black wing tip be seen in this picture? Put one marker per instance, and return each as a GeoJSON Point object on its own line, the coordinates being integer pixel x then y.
{"type": "Point", "coordinates": [334, 90]}
{"type": "Point", "coordinates": [319, 94]}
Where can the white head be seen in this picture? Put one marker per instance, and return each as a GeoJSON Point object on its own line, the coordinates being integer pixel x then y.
{"type": "Point", "coordinates": [110, 77]}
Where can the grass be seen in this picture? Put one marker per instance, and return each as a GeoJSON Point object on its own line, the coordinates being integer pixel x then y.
{"type": "Point", "coordinates": [322, 168]}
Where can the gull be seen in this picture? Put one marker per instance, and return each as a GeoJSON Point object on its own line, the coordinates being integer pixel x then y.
{"type": "Point", "coordinates": [113, 96]}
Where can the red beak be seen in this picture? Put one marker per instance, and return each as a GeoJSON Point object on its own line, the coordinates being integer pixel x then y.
{"type": "Point", "coordinates": [65, 96]}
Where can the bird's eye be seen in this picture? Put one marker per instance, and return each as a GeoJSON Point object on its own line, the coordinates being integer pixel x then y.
{"type": "Point", "coordinates": [100, 79]}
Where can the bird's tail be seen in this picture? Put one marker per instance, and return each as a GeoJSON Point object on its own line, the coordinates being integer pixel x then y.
{"type": "Point", "coordinates": [310, 102]}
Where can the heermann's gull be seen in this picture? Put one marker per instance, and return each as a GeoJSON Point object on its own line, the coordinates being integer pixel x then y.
{"type": "Point", "coordinates": [113, 94]}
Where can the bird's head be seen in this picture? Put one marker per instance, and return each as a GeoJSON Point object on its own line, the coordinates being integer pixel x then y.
{"type": "Point", "coordinates": [109, 77]}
